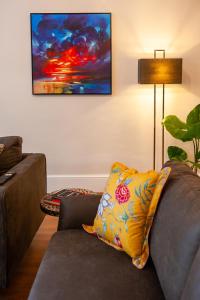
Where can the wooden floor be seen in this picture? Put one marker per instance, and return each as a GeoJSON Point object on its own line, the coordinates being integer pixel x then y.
{"type": "Point", "coordinates": [21, 284]}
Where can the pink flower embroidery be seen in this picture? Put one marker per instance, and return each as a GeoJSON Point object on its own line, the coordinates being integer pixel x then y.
{"type": "Point", "coordinates": [122, 193]}
{"type": "Point", "coordinates": [117, 241]}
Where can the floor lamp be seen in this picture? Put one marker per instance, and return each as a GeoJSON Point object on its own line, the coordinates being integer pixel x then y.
{"type": "Point", "coordinates": [159, 71]}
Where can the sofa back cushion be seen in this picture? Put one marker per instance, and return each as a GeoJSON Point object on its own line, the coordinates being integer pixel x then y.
{"type": "Point", "coordinates": [175, 233]}
{"type": "Point", "coordinates": [192, 287]}
{"type": "Point", "coordinates": [11, 153]}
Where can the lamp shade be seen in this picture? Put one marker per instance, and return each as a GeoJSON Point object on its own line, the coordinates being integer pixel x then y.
{"type": "Point", "coordinates": [160, 71]}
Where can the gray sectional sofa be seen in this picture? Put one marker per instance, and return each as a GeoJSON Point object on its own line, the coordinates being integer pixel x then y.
{"type": "Point", "coordinates": [79, 266]}
{"type": "Point", "coordinates": [20, 214]}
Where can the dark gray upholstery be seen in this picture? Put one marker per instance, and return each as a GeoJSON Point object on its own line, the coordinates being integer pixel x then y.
{"type": "Point", "coordinates": [81, 209]}
{"type": "Point", "coordinates": [175, 234]}
{"type": "Point", "coordinates": [79, 266]}
{"type": "Point", "coordinates": [12, 152]}
{"type": "Point", "coordinates": [20, 214]}
{"type": "Point", "coordinates": [192, 287]}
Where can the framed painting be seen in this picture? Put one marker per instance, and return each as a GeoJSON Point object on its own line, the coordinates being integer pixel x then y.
{"type": "Point", "coordinates": [71, 53]}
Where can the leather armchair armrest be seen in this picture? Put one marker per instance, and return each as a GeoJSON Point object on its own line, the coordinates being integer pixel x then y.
{"type": "Point", "coordinates": [77, 210]}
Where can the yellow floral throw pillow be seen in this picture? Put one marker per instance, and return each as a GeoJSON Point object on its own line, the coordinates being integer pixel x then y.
{"type": "Point", "coordinates": [126, 210]}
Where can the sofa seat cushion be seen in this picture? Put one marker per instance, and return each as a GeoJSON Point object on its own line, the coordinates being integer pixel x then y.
{"type": "Point", "coordinates": [79, 266]}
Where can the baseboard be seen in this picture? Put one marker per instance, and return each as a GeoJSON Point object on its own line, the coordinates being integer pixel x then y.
{"type": "Point", "coordinates": [95, 182]}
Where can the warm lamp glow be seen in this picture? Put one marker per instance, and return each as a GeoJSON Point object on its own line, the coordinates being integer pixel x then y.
{"type": "Point", "coordinates": [160, 71]}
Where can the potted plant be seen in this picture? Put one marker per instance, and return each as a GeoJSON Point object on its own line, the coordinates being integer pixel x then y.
{"type": "Point", "coordinates": [188, 131]}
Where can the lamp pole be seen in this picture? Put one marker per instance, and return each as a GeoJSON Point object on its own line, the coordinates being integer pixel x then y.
{"type": "Point", "coordinates": [163, 115]}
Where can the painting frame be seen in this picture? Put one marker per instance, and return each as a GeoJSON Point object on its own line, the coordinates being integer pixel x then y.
{"type": "Point", "coordinates": [103, 93]}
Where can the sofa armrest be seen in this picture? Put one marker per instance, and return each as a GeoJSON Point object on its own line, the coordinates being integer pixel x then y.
{"type": "Point", "coordinates": [20, 214]}
{"type": "Point", "coordinates": [77, 210]}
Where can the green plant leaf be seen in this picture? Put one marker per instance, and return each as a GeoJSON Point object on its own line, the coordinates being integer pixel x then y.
{"type": "Point", "coordinates": [198, 155]}
{"type": "Point", "coordinates": [176, 153]}
{"type": "Point", "coordinates": [177, 128]}
{"type": "Point", "coordinates": [197, 165]}
{"type": "Point", "coordinates": [193, 122]}
{"type": "Point", "coordinates": [194, 116]}
{"type": "Point", "coordinates": [194, 130]}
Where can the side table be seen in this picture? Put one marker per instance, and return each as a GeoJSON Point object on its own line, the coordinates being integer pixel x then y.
{"type": "Point", "coordinates": [50, 203]}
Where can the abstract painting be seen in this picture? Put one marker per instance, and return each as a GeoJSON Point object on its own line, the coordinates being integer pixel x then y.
{"type": "Point", "coordinates": [71, 53]}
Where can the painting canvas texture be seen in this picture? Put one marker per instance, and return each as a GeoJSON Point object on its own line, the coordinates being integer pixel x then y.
{"type": "Point", "coordinates": [71, 53]}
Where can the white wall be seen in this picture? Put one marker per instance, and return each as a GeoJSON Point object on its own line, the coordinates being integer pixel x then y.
{"type": "Point", "coordinates": [82, 136]}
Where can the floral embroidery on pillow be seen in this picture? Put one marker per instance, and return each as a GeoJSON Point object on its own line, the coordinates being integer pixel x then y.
{"type": "Point", "coordinates": [104, 203]}
{"type": "Point", "coordinates": [122, 193]}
